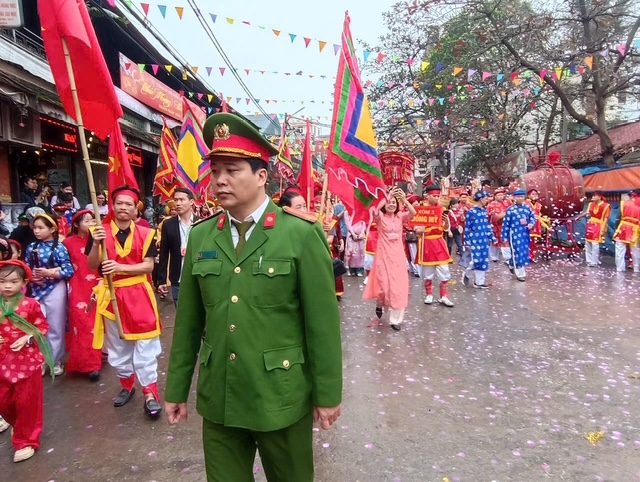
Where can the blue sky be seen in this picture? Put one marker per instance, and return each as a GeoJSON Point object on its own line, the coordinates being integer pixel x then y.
{"type": "Point", "coordinates": [250, 47]}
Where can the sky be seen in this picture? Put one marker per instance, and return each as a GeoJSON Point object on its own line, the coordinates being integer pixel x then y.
{"type": "Point", "coordinates": [254, 48]}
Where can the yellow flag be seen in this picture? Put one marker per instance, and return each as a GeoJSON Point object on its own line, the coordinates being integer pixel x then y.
{"type": "Point", "coordinates": [559, 71]}
{"type": "Point", "coordinates": [457, 71]}
{"type": "Point", "coordinates": [169, 67]}
{"type": "Point", "coordinates": [322, 45]}
{"type": "Point", "coordinates": [589, 62]}
{"type": "Point", "coordinates": [517, 82]}
{"type": "Point", "coordinates": [180, 11]}
{"type": "Point", "coordinates": [425, 66]}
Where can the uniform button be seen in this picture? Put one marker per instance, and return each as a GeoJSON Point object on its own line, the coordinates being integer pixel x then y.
{"type": "Point", "coordinates": [232, 328]}
{"type": "Point", "coordinates": [271, 270]}
{"type": "Point", "coordinates": [286, 364]}
{"type": "Point", "coordinates": [232, 357]}
{"type": "Point", "coordinates": [234, 299]}
{"type": "Point", "coordinates": [237, 270]}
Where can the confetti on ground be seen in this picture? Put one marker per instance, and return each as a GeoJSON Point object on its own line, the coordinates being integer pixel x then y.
{"type": "Point", "coordinates": [594, 437]}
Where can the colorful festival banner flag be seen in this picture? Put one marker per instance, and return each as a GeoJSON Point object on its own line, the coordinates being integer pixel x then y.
{"type": "Point", "coordinates": [353, 149]}
{"type": "Point", "coordinates": [164, 184]}
{"type": "Point", "coordinates": [192, 171]}
{"type": "Point", "coordinates": [283, 161]}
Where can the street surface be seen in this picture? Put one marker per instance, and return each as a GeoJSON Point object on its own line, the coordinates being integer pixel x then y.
{"type": "Point", "coordinates": [503, 387]}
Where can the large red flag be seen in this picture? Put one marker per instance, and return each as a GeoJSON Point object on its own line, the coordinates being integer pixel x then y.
{"type": "Point", "coordinates": [305, 179]}
{"type": "Point", "coordinates": [69, 20]}
{"type": "Point", "coordinates": [120, 172]}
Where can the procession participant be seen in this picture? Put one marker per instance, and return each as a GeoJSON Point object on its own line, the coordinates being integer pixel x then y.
{"type": "Point", "coordinates": [23, 351]}
{"type": "Point", "coordinates": [103, 205]}
{"type": "Point", "coordinates": [173, 246]}
{"type": "Point", "coordinates": [433, 256]}
{"type": "Point", "coordinates": [334, 237]}
{"type": "Point", "coordinates": [16, 249]}
{"type": "Point", "coordinates": [497, 210]}
{"type": "Point", "coordinates": [257, 285]}
{"type": "Point", "coordinates": [23, 233]}
{"type": "Point", "coordinates": [456, 220]}
{"type": "Point", "coordinates": [65, 188]}
{"type": "Point", "coordinates": [518, 223]}
{"type": "Point", "coordinates": [140, 219]}
{"type": "Point", "coordinates": [389, 283]}
{"type": "Point", "coordinates": [83, 358]}
{"type": "Point", "coordinates": [354, 252]}
{"type": "Point", "coordinates": [597, 227]}
{"type": "Point", "coordinates": [627, 234]}
{"type": "Point", "coordinates": [371, 245]}
{"type": "Point", "coordinates": [51, 266]}
{"type": "Point", "coordinates": [293, 198]}
{"type": "Point", "coordinates": [131, 250]}
{"type": "Point", "coordinates": [536, 233]}
{"type": "Point", "coordinates": [478, 237]}
{"type": "Point", "coordinates": [411, 239]}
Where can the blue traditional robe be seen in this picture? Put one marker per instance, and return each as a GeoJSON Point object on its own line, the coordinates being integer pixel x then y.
{"type": "Point", "coordinates": [516, 232]}
{"type": "Point", "coordinates": [478, 235]}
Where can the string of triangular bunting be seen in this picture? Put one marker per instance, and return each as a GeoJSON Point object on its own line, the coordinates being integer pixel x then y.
{"type": "Point", "coordinates": [379, 57]}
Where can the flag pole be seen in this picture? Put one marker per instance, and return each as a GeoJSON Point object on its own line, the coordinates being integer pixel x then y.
{"type": "Point", "coordinates": [92, 186]}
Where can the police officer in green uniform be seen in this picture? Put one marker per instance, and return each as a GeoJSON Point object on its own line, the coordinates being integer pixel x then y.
{"type": "Point", "coordinates": [257, 303]}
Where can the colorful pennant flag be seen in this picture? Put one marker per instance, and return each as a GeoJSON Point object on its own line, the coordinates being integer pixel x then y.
{"type": "Point", "coordinates": [192, 171]}
{"type": "Point", "coordinates": [164, 183]}
{"type": "Point", "coordinates": [353, 150]}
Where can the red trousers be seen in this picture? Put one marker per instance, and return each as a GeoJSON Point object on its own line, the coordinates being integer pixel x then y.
{"type": "Point", "coordinates": [22, 406]}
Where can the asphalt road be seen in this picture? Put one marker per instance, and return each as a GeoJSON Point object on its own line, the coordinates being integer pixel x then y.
{"type": "Point", "coordinates": [502, 387]}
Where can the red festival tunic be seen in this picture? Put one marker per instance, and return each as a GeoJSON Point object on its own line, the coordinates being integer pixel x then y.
{"type": "Point", "coordinates": [19, 365]}
{"type": "Point", "coordinates": [83, 358]}
{"type": "Point", "coordinates": [432, 247]}
{"type": "Point", "coordinates": [628, 231]}
{"type": "Point", "coordinates": [136, 300]}
{"type": "Point", "coordinates": [536, 207]}
{"type": "Point", "coordinates": [494, 209]}
{"type": "Point", "coordinates": [597, 226]}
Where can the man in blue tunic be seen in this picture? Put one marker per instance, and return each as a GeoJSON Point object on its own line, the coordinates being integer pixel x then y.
{"type": "Point", "coordinates": [478, 237]}
{"type": "Point", "coordinates": [518, 223]}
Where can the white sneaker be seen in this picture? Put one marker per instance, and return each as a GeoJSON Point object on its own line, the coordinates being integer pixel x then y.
{"type": "Point", "coordinates": [446, 302]}
{"type": "Point", "coordinates": [23, 454]}
{"type": "Point", "coordinates": [428, 300]}
{"type": "Point", "coordinates": [58, 369]}
{"type": "Point", "coordinates": [4, 425]}
{"type": "Point", "coordinates": [366, 280]}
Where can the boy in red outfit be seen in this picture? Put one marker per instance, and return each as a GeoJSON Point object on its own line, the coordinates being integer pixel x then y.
{"type": "Point", "coordinates": [23, 350]}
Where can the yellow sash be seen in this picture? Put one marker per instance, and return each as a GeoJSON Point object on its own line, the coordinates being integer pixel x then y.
{"type": "Point", "coordinates": [103, 296]}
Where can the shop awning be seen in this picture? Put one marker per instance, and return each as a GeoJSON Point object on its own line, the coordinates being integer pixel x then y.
{"type": "Point", "coordinates": [613, 180]}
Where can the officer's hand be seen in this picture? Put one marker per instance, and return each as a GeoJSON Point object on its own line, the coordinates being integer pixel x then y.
{"type": "Point", "coordinates": [325, 416]}
{"type": "Point", "coordinates": [163, 289]}
{"type": "Point", "coordinates": [175, 412]}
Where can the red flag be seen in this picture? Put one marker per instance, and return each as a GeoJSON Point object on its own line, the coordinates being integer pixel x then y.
{"type": "Point", "coordinates": [120, 172]}
{"type": "Point", "coordinates": [69, 20]}
{"type": "Point", "coordinates": [225, 106]}
{"type": "Point", "coordinates": [305, 179]}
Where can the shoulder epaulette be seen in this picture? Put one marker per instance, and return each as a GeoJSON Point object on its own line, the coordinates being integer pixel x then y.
{"type": "Point", "coordinates": [309, 217]}
{"type": "Point", "coordinates": [200, 221]}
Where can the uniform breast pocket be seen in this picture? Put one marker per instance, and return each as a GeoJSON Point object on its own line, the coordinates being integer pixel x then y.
{"type": "Point", "coordinates": [208, 272]}
{"type": "Point", "coordinates": [273, 282]}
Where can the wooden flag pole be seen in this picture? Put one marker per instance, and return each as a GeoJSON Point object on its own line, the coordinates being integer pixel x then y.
{"type": "Point", "coordinates": [92, 186]}
{"type": "Point", "coordinates": [325, 184]}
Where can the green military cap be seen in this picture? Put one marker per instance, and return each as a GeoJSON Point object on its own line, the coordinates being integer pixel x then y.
{"type": "Point", "coordinates": [229, 135]}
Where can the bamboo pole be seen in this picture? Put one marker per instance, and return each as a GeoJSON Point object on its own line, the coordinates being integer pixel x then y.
{"type": "Point", "coordinates": [325, 184]}
{"type": "Point", "coordinates": [92, 186]}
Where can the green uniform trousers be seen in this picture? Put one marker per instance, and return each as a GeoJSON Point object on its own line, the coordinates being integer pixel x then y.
{"type": "Point", "coordinates": [286, 454]}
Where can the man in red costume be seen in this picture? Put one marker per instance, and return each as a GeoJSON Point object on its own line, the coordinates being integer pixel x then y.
{"type": "Point", "coordinates": [597, 228]}
{"type": "Point", "coordinates": [131, 250]}
{"type": "Point", "coordinates": [628, 233]}
{"type": "Point", "coordinates": [497, 210]}
{"type": "Point", "coordinates": [536, 232]}
{"type": "Point", "coordinates": [433, 255]}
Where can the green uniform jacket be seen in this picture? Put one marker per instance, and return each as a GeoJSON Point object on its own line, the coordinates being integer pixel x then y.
{"type": "Point", "coordinates": [270, 321]}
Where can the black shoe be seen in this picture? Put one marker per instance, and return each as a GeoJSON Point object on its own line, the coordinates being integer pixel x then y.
{"type": "Point", "coordinates": [465, 280]}
{"type": "Point", "coordinates": [339, 298]}
{"type": "Point", "coordinates": [483, 287]}
{"type": "Point", "coordinates": [152, 408]}
{"type": "Point", "coordinates": [417, 275]}
{"type": "Point", "coordinates": [513, 271]}
{"type": "Point", "coordinates": [379, 312]}
{"type": "Point", "coordinates": [520, 279]}
{"type": "Point", "coordinates": [94, 376]}
{"type": "Point", "coordinates": [396, 327]}
{"type": "Point", "coordinates": [123, 397]}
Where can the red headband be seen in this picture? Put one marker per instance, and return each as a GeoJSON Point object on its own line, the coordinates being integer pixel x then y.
{"type": "Point", "coordinates": [20, 264]}
{"type": "Point", "coordinates": [128, 192]}
{"type": "Point", "coordinates": [77, 216]}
